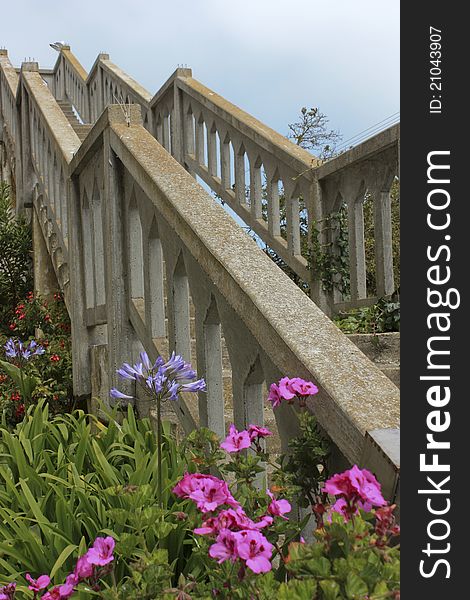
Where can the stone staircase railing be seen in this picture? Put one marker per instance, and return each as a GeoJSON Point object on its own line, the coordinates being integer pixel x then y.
{"type": "Point", "coordinates": [117, 209]}
{"type": "Point", "coordinates": [269, 182]}
{"type": "Point", "coordinates": [8, 120]}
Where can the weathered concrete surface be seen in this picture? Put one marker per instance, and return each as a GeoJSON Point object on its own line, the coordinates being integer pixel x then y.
{"type": "Point", "coordinates": [356, 396]}
{"type": "Point", "coordinates": [133, 212]}
{"type": "Point", "coordinates": [383, 349]}
{"type": "Point", "coordinates": [45, 280]}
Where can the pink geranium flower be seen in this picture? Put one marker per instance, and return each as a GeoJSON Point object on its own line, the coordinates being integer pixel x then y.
{"type": "Point", "coordinates": [101, 553]}
{"type": "Point", "coordinates": [357, 488]}
{"type": "Point", "coordinates": [236, 440]}
{"type": "Point", "coordinates": [258, 432]}
{"type": "Point", "coordinates": [35, 585]}
{"type": "Point", "coordinates": [60, 592]}
{"type": "Point", "coordinates": [189, 483]}
{"type": "Point", "coordinates": [7, 592]}
{"type": "Point", "coordinates": [225, 547]}
{"type": "Point", "coordinates": [285, 389]}
{"type": "Point", "coordinates": [274, 395]}
{"type": "Point", "coordinates": [278, 508]}
{"type": "Point", "coordinates": [233, 520]}
{"type": "Point", "coordinates": [300, 387]}
{"type": "Point", "coordinates": [255, 550]}
{"type": "Point", "coordinates": [212, 494]}
{"type": "Point", "coordinates": [367, 485]}
{"type": "Point", "coordinates": [207, 491]}
{"type": "Point", "coordinates": [83, 569]}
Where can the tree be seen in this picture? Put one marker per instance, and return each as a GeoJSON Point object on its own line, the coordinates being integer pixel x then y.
{"type": "Point", "coordinates": [311, 132]}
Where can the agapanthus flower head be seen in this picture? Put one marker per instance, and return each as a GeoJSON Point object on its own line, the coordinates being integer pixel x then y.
{"type": "Point", "coordinates": [236, 440]}
{"type": "Point", "coordinates": [16, 349]}
{"type": "Point", "coordinates": [164, 380]}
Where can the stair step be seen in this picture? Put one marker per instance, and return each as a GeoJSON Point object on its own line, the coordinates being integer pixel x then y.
{"type": "Point", "coordinates": [392, 372]}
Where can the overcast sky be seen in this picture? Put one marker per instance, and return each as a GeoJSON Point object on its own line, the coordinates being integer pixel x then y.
{"type": "Point", "coordinates": [270, 57]}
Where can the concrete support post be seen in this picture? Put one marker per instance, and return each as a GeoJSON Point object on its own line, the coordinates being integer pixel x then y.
{"type": "Point", "coordinates": [80, 340]}
{"type": "Point", "coordinates": [383, 243]}
{"type": "Point", "coordinates": [316, 215]}
{"type": "Point", "coordinates": [177, 124]}
{"type": "Point", "coordinates": [119, 331]}
{"type": "Point", "coordinates": [25, 175]}
{"type": "Point", "coordinates": [45, 280]}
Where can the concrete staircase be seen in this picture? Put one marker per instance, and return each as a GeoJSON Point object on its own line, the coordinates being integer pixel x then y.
{"type": "Point", "coordinates": [383, 349]}
{"type": "Point", "coordinates": [81, 129]}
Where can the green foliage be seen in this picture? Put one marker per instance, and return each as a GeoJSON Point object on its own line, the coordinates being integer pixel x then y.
{"type": "Point", "coordinates": [330, 262]}
{"type": "Point", "coordinates": [348, 562]}
{"type": "Point", "coordinates": [369, 239]}
{"type": "Point", "coordinates": [381, 317]}
{"type": "Point", "coordinates": [66, 479]}
{"type": "Point", "coordinates": [15, 257]}
{"type": "Point", "coordinates": [303, 469]}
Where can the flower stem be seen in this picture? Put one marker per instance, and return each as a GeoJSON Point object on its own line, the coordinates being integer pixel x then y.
{"type": "Point", "coordinates": [159, 453]}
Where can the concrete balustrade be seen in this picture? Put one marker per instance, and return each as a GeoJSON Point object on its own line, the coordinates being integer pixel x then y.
{"type": "Point", "coordinates": [148, 260]}
{"type": "Point", "coordinates": [251, 168]}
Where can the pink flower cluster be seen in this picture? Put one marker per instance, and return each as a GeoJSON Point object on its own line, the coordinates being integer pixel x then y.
{"type": "Point", "coordinates": [355, 489]}
{"type": "Point", "coordinates": [86, 568]}
{"type": "Point", "coordinates": [288, 389]}
{"type": "Point", "coordinates": [236, 535]}
{"type": "Point", "coordinates": [207, 491]}
{"type": "Point", "coordinates": [240, 440]}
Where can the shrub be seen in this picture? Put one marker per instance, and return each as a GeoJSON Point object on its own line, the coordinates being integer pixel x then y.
{"type": "Point", "coordinates": [51, 371]}
{"type": "Point", "coordinates": [15, 257]}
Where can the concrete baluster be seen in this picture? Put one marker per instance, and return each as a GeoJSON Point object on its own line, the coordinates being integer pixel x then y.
{"type": "Point", "coordinates": [357, 258]}
{"type": "Point", "coordinates": [255, 188]}
{"type": "Point", "coordinates": [383, 242]}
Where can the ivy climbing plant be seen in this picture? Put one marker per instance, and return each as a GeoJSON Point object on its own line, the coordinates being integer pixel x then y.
{"type": "Point", "coordinates": [329, 261]}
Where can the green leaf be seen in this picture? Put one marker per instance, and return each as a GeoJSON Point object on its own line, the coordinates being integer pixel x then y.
{"type": "Point", "coordinates": [298, 590]}
{"type": "Point", "coordinates": [356, 588]}
{"type": "Point", "coordinates": [330, 589]}
{"type": "Point", "coordinates": [66, 552]}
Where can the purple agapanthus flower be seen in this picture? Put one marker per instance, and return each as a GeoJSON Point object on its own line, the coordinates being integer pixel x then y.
{"type": "Point", "coordinates": [163, 379]}
{"type": "Point", "coordinates": [16, 349]}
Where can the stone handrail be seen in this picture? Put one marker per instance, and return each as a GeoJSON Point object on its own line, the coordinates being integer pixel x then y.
{"type": "Point", "coordinates": [50, 143]}
{"type": "Point", "coordinates": [8, 87]}
{"type": "Point", "coordinates": [278, 189]}
{"type": "Point", "coordinates": [136, 241]}
{"type": "Point", "coordinates": [156, 217]}
{"type": "Point", "coordinates": [70, 83]}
